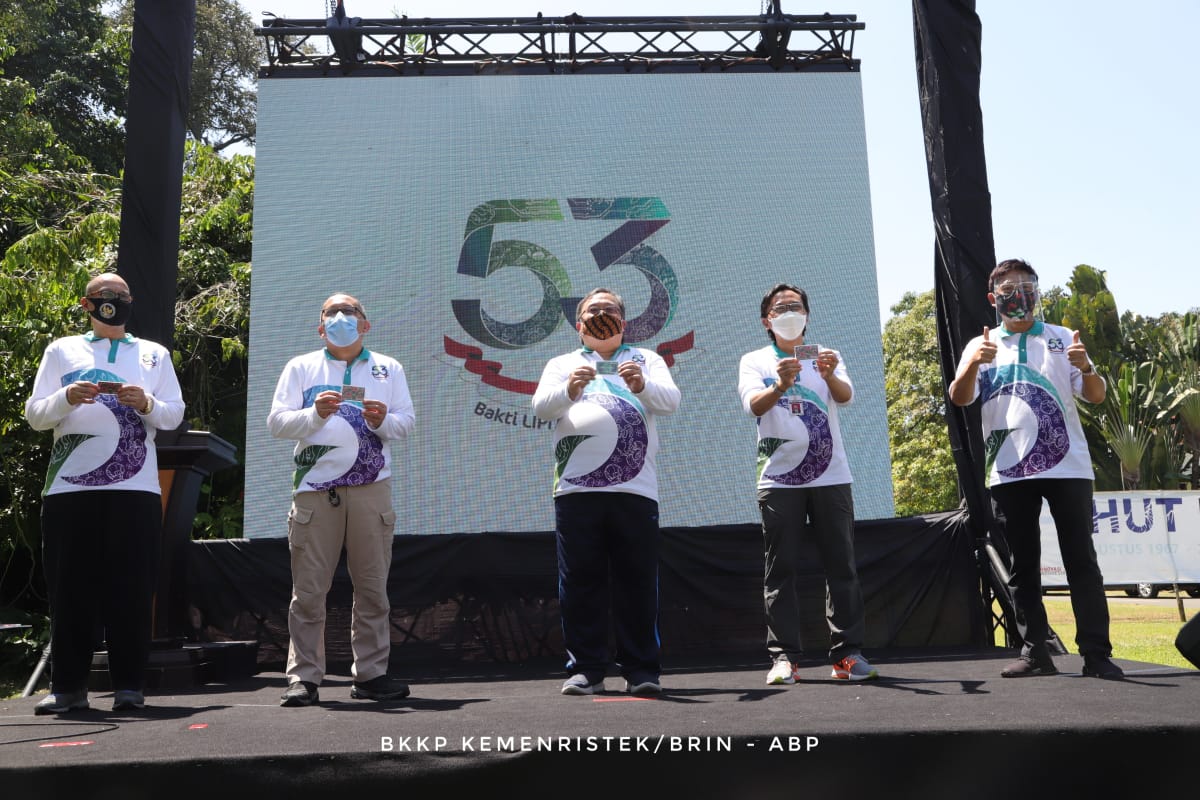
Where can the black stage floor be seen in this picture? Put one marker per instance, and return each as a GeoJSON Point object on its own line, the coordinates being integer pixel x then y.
{"type": "Point", "coordinates": [937, 724]}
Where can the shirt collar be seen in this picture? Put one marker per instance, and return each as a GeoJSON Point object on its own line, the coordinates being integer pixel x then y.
{"type": "Point", "coordinates": [587, 350]}
{"type": "Point", "coordinates": [1036, 330]}
{"type": "Point", "coordinates": [91, 336]}
{"type": "Point", "coordinates": [363, 355]}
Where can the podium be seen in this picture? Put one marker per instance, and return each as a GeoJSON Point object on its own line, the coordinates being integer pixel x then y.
{"type": "Point", "coordinates": [185, 459]}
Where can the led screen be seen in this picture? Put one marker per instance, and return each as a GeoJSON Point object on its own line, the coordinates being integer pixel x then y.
{"type": "Point", "coordinates": [466, 213]}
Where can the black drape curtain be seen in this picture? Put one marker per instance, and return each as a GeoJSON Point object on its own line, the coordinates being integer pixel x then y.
{"type": "Point", "coordinates": [155, 127]}
{"type": "Point", "coordinates": [948, 54]}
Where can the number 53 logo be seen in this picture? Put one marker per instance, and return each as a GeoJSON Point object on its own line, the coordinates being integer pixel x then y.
{"type": "Point", "coordinates": [483, 255]}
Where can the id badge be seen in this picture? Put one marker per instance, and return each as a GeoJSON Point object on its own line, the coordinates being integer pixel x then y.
{"type": "Point", "coordinates": [807, 352]}
{"type": "Point", "coordinates": [606, 368]}
{"type": "Point", "coordinates": [796, 406]}
{"type": "Point", "coordinates": [354, 394]}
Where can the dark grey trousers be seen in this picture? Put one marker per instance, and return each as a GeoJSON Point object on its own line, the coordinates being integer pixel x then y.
{"type": "Point", "coordinates": [825, 513]}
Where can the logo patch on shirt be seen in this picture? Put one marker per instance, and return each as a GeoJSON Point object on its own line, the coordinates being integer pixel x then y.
{"type": "Point", "coordinates": [150, 360]}
{"type": "Point", "coordinates": [1055, 345]}
{"type": "Point", "coordinates": [637, 358]}
{"type": "Point", "coordinates": [379, 373]}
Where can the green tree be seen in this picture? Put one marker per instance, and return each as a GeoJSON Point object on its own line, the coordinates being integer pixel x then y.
{"type": "Point", "coordinates": [222, 105]}
{"type": "Point", "coordinates": [75, 62]}
{"type": "Point", "coordinates": [923, 472]}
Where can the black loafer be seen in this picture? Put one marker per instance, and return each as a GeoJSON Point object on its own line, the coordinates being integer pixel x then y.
{"type": "Point", "coordinates": [1028, 667]}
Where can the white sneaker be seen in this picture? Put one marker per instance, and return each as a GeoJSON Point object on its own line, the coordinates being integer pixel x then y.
{"type": "Point", "coordinates": [781, 673]}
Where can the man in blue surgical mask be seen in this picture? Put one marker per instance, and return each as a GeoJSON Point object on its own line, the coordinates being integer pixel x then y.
{"type": "Point", "coordinates": [343, 404]}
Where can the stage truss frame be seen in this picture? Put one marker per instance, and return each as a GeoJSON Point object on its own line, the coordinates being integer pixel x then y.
{"type": "Point", "coordinates": [557, 45]}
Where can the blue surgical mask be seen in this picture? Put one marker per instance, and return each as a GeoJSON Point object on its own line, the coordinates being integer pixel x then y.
{"type": "Point", "coordinates": [341, 331]}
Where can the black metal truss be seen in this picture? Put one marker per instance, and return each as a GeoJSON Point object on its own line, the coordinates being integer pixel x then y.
{"type": "Point", "coordinates": [559, 45]}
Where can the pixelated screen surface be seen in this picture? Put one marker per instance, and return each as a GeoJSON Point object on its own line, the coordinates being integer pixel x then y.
{"type": "Point", "coordinates": [468, 213]}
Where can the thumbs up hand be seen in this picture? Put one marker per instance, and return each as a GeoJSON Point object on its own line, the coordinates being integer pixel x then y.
{"type": "Point", "coordinates": [1077, 354]}
{"type": "Point", "coordinates": [985, 352]}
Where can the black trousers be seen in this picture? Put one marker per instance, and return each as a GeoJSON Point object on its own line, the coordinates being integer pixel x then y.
{"type": "Point", "coordinates": [825, 513]}
{"type": "Point", "coordinates": [1017, 507]}
{"type": "Point", "coordinates": [608, 558]}
{"type": "Point", "coordinates": [100, 553]}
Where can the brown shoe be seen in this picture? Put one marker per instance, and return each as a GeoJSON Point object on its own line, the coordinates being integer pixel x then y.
{"type": "Point", "coordinates": [1028, 665]}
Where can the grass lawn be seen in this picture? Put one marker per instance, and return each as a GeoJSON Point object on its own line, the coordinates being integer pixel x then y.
{"type": "Point", "coordinates": [1139, 632]}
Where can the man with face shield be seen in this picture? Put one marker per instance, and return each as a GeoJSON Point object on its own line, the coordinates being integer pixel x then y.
{"type": "Point", "coordinates": [1026, 373]}
{"type": "Point", "coordinates": [344, 405]}
{"type": "Point", "coordinates": [793, 390]}
{"type": "Point", "coordinates": [605, 398]}
{"type": "Point", "coordinates": [104, 394]}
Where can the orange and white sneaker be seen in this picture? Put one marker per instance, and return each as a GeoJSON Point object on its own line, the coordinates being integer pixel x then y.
{"type": "Point", "coordinates": [854, 668]}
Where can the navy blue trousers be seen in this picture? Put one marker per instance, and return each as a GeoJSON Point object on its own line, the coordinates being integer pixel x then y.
{"type": "Point", "coordinates": [608, 563]}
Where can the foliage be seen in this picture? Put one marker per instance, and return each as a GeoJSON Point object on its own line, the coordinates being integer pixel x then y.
{"type": "Point", "coordinates": [223, 98]}
{"type": "Point", "coordinates": [1142, 436]}
{"type": "Point", "coordinates": [212, 324]}
{"type": "Point", "coordinates": [42, 277]}
{"type": "Point", "coordinates": [923, 472]}
{"type": "Point", "coordinates": [74, 62]}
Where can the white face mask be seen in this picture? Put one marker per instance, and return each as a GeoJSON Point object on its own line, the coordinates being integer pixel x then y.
{"type": "Point", "coordinates": [789, 325]}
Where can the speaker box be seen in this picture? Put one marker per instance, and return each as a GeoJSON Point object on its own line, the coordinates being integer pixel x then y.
{"type": "Point", "coordinates": [1188, 640]}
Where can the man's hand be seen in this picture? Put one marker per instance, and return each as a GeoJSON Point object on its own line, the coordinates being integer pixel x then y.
{"type": "Point", "coordinates": [580, 377]}
{"type": "Point", "coordinates": [82, 392]}
{"type": "Point", "coordinates": [827, 362]}
{"type": "Point", "coordinates": [985, 352]}
{"type": "Point", "coordinates": [631, 372]}
{"type": "Point", "coordinates": [374, 412]}
{"type": "Point", "coordinates": [132, 396]}
{"type": "Point", "coordinates": [327, 403]}
{"type": "Point", "coordinates": [787, 369]}
{"type": "Point", "coordinates": [1077, 354]}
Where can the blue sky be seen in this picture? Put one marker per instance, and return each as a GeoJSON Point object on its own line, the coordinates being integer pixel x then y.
{"type": "Point", "coordinates": [1091, 115]}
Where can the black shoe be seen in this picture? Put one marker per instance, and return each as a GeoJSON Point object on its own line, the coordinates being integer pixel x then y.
{"type": "Point", "coordinates": [1096, 666]}
{"type": "Point", "coordinates": [1028, 666]}
{"type": "Point", "coordinates": [385, 687]}
{"type": "Point", "coordinates": [299, 693]}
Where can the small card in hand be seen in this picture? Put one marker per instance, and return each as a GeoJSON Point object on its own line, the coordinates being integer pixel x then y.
{"type": "Point", "coordinates": [606, 368]}
{"type": "Point", "coordinates": [806, 352]}
{"type": "Point", "coordinates": [109, 387]}
{"type": "Point", "coordinates": [354, 394]}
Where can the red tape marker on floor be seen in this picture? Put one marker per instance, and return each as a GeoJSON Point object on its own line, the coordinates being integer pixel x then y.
{"type": "Point", "coordinates": [64, 744]}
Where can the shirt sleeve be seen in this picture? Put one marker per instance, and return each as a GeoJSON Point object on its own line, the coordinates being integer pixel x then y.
{"type": "Point", "coordinates": [288, 418]}
{"type": "Point", "coordinates": [660, 395]}
{"type": "Point", "coordinates": [401, 418]}
{"type": "Point", "coordinates": [167, 407]}
{"type": "Point", "coordinates": [47, 404]}
{"type": "Point", "coordinates": [551, 399]}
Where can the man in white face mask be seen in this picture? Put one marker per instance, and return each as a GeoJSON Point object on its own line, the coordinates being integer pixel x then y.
{"type": "Point", "coordinates": [343, 404]}
{"type": "Point", "coordinates": [794, 391]}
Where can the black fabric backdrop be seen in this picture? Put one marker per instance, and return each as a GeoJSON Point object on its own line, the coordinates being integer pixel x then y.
{"type": "Point", "coordinates": [494, 597]}
{"type": "Point", "coordinates": [160, 69]}
{"type": "Point", "coordinates": [949, 61]}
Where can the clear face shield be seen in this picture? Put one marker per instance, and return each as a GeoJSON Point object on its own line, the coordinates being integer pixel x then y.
{"type": "Point", "coordinates": [1017, 299]}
